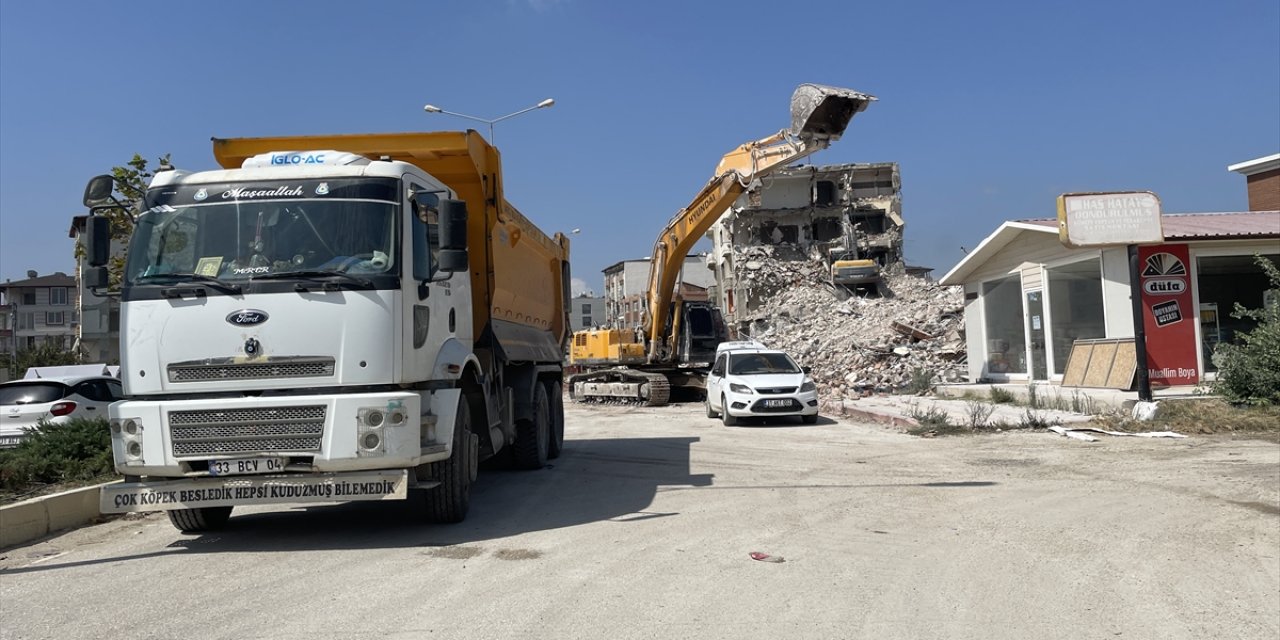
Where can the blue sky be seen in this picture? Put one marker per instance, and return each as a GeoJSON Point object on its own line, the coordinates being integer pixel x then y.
{"type": "Point", "coordinates": [992, 109]}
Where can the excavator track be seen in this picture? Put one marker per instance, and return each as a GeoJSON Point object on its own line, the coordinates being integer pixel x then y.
{"type": "Point", "coordinates": [621, 384]}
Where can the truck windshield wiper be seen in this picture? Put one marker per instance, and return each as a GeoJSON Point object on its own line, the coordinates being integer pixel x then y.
{"type": "Point", "coordinates": [318, 275]}
{"type": "Point", "coordinates": [200, 278]}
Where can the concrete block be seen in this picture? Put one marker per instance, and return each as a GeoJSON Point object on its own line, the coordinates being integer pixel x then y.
{"type": "Point", "coordinates": [37, 517]}
{"type": "Point", "coordinates": [26, 520]}
{"type": "Point", "coordinates": [73, 508]}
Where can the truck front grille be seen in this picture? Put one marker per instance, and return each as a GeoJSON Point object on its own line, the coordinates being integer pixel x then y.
{"type": "Point", "coordinates": [278, 429]}
{"type": "Point", "coordinates": [204, 371]}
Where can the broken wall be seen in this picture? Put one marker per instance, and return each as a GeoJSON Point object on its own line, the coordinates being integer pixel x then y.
{"type": "Point", "coordinates": [772, 257]}
{"type": "Point", "coordinates": [807, 213]}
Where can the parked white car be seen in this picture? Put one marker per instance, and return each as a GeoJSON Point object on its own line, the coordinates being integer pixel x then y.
{"type": "Point", "coordinates": [24, 403]}
{"type": "Point", "coordinates": [748, 380]}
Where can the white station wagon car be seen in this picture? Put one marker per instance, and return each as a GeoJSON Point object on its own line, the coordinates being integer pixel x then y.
{"type": "Point", "coordinates": [24, 403]}
{"type": "Point", "coordinates": [749, 380]}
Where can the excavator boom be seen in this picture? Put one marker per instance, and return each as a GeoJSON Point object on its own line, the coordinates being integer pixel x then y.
{"type": "Point", "coordinates": [819, 116]}
{"type": "Point", "coordinates": [623, 366]}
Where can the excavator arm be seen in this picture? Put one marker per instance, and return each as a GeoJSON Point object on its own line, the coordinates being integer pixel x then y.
{"type": "Point", "coordinates": [819, 115]}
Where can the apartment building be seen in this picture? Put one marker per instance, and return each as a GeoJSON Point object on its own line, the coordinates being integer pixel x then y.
{"type": "Point", "coordinates": [39, 310]}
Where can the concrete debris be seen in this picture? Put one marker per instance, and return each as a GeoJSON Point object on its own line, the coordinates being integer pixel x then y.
{"type": "Point", "coordinates": [1143, 434]}
{"type": "Point", "coordinates": [1072, 433]}
{"type": "Point", "coordinates": [856, 345]}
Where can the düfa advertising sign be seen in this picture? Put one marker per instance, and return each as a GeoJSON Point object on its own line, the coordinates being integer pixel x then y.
{"type": "Point", "coordinates": [1167, 315]}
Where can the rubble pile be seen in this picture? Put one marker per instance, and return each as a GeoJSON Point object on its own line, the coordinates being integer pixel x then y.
{"type": "Point", "coordinates": [856, 345]}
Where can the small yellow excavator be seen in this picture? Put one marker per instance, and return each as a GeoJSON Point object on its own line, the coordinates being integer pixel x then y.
{"type": "Point", "coordinates": [679, 338]}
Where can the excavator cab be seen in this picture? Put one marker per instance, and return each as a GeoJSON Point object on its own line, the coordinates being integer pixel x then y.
{"type": "Point", "coordinates": [700, 331]}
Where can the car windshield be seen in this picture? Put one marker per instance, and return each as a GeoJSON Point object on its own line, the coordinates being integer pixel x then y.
{"type": "Point", "coordinates": [746, 364]}
{"type": "Point", "coordinates": [16, 393]}
{"type": "Point", "coordinates": [238, 239]}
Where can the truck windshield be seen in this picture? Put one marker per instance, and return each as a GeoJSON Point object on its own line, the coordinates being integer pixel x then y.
{"type": "Point", "coordinates": [235, 241]}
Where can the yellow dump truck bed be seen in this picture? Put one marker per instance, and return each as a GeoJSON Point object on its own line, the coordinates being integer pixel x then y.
{"type": "Point", "coordinates": [519, 275]}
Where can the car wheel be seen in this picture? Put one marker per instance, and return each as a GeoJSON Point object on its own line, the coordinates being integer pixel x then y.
{"type": "Point", "coordinates": [725, 418]}
{"type": "Point", "coordinates": [711, 413]}
{"type": "Point", "coordinates": [813, 419]}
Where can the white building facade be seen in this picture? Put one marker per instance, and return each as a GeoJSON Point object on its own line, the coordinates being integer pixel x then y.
{"type": "Point", "coordinates": [1028, 297]}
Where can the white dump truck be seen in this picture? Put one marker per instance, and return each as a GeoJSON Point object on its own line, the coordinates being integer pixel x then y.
{"type": "Point", "coordinates": [331, 318]}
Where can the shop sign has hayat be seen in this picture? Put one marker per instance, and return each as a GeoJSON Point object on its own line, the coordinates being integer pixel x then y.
{"type": "Point", "coordinates": [1109, 219]}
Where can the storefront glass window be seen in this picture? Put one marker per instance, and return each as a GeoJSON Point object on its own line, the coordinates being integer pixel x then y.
{"type": "Point", "coordinates": [1006, 335]}
{"type": "Point", "coordinates": [1224, 281]}
{"type": "Point", "coordinates": [1075, 307]}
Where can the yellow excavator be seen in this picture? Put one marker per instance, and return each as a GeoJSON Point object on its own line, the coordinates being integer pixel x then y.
{"type": "Point", "coordinates": [678, 340]}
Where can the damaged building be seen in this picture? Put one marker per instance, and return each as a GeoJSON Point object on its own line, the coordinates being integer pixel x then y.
{"type": "Point", "coordinates": [773, 256]}
{"type": "Point", "coordinates": [807, 214]}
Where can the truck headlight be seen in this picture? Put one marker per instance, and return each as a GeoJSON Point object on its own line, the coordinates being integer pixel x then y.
{"type": "Point", "coordinates": [808, 386]}
{"type": "Point", "coordinates": [739, 388]}
{"type": "Point", "coordinates": [369, 437]}
{"type": "Point", "coordinates": [129, 430]}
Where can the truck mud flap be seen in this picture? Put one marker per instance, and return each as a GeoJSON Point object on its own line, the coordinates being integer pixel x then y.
{"type": "Point", "coordinates": [125, 497]}
{"type": "Point", "coordinates": [820, 110]}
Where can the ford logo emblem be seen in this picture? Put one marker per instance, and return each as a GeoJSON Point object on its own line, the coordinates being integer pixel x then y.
{"type": "Point", "coordinates": [247, 317]}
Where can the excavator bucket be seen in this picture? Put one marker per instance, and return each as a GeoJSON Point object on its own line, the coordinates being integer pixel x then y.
{"type": "Point", "coordinates": [819, 111]}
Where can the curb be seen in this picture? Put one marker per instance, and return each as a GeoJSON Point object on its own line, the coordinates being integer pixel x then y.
{"type": "Point", "coordinates": [38, 517]}
{"type": "Point", "coordinates": [844, 410]}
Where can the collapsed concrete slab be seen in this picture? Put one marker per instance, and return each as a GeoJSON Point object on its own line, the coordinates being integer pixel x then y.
{"type": "Point", "coordinates": [773, 255]}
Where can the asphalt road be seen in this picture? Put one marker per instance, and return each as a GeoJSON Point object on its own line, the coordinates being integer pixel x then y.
{"type": "Point", "coordinates": [643, 529]}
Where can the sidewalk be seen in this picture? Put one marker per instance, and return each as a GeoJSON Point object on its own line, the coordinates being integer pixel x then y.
{"type": "Point", "coordinates": [1063, 405]}
{"type": "Point", "coordinates": [896, 411]}
{"type": "Point", "coordinates": [1102, 399]}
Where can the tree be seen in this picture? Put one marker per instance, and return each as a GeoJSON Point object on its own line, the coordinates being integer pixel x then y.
{"type": "Point", "coordinates": [1249, 372]}
{"type": "Point", "coordinates": [131, 181]}
{"type": "Point", "coordinates": [45, 354]}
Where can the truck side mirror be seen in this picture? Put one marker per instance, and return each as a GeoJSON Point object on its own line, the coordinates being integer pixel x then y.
{"type": "Point", "coordinates": [97, 240]}
{"type": "Point", "coordinates": [95, 278]}
{"type": "Point", "coordinates": [98, 191]}
{"type": "Point", "coordinates": [453, 235]}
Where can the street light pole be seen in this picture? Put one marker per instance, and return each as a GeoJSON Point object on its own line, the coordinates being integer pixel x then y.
{"type": "Point", "coordinates": [431, 108]}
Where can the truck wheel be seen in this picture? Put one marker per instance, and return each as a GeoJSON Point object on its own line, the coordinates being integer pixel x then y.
{"type": "Point", "coordinates": [727, 419]}
{"type": "Point", "coordinates": [448, 502]}
{"type": "Point", "coordinates": [200, 519]}
{"type": "Point", "coordinates": [532, 435]}
{"type": "Point", "coordinates": [555, 444]}
{"type": "Point", "coordinates": [711, 413]}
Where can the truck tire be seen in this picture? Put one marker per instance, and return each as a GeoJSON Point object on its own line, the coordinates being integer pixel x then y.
{"type": "Point", "coordinates": [532, 435]}
{"type": "Point", "coordinates": [200, 519]}
{"type": "Point", "coordinates": [555, 444]}
{"type": "Point", "coordinates": [448, 502]}
{"type": "Point", "coordinates": [728, 420]}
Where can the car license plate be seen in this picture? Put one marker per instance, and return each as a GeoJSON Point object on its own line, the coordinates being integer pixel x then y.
{"type": "Point", "coordinates": [774, 404]}
{"type": "Point", "coordinates": [245, 466]}
{"type": "Point", "coordinates": [10, 441]}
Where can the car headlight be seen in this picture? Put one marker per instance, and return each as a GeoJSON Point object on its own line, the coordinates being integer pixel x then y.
{"type": "Point", "coordinates": [808, 386]}
{"type": "Point", "coordinates": [739, 388]}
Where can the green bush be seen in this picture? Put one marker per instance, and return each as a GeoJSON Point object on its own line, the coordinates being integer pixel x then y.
{"type": "Point", "coordinates": [1002, 396]}
{"type": "Point", "coordinates": [78, 450]}
{"type": "Point", "coordinates": [1249, 372]}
